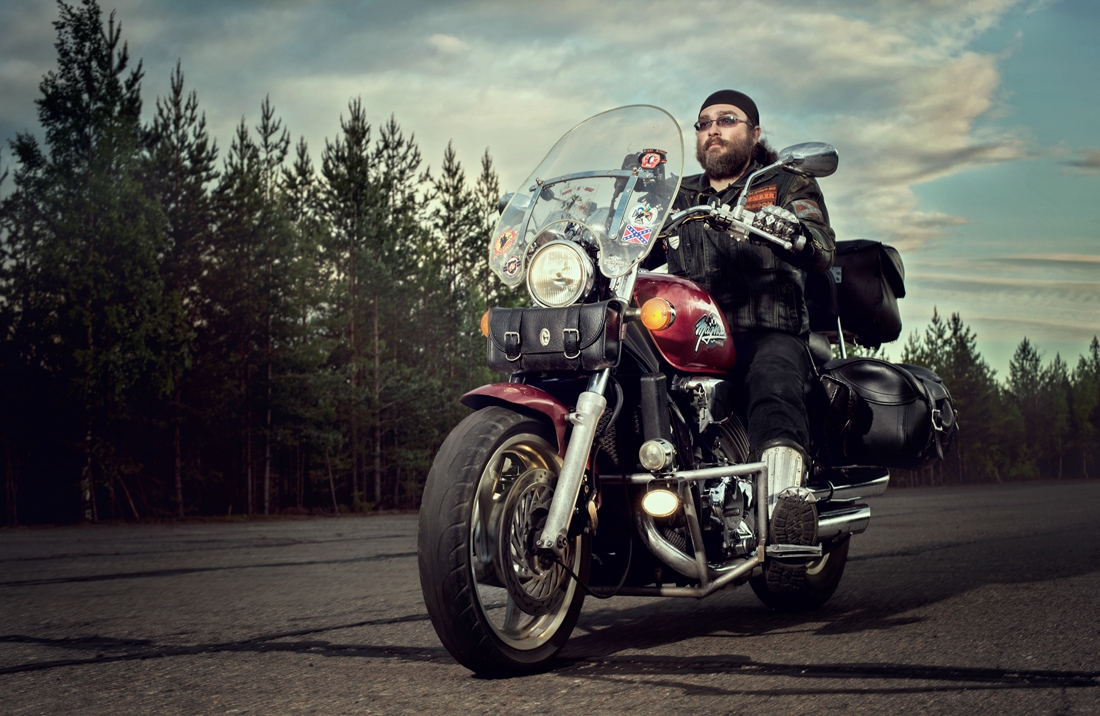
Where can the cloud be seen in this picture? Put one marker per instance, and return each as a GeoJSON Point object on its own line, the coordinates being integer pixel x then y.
{"type": "Point", "coordinates": [1088, 162]}
{"type": "Point", "coordinates": [448, 44]}
{"type": "Point", "coordinates": [896, 87]}
{"type": "Point", "coordinates": [1074, 260]}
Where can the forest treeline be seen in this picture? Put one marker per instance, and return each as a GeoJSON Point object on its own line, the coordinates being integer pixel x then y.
{"type": "Point", "coordinates": [187, 330]}
{"type": "Point", "coordinates": [191, 330]}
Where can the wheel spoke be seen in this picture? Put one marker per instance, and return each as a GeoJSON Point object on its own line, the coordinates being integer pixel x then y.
{"type": "Point", "coordinates": [512, 616]}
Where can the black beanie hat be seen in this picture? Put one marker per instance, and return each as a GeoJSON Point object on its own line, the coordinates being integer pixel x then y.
{"type": "Point", "coordinates": [738, 99]}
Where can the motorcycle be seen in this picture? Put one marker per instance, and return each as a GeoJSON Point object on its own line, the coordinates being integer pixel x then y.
{"type": "Point", "coordinates": [613, 461]}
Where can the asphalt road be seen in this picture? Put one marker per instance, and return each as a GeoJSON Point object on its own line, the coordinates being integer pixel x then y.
{"type": "Point", "coordinates": [962, 600]}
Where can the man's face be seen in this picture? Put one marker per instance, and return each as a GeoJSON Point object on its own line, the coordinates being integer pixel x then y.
{"type": "Point", "coordinates": [724, 152]}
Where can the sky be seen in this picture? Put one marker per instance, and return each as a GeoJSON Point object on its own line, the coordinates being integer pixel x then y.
{"type": "Point", "coordinates": [967, 129]}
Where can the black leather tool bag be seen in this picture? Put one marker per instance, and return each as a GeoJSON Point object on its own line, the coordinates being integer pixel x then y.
{"type": "Point", "coordinates": [579, 337]}
{"type": "Point", "coordinates": [880, 413]}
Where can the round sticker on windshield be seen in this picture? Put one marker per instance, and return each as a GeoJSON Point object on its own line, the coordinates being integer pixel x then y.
{"type": "Point", "coordinates": [504, 241]}
{"type": "Point", "coordinates": [651, 160]}
{"type": "Point", "coordinates": [511, 267]}
{"type": "Point", "coordinates": [644, 215]}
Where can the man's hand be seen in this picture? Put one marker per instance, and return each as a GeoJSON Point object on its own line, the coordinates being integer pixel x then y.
{"type": "Point", "coordinates": [778, 222]}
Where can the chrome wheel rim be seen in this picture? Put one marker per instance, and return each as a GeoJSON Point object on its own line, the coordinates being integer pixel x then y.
{"type": "Point", "coordinates": [512, 491]}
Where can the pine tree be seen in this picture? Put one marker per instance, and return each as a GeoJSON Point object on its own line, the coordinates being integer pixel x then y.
{"type": "Point", "coordinates": [350, 201]}
{"type": "Point", "coordinates": [1025, 379]}
{"type": "Point", "coordinates": [1056, 416]}
{"type": "Point", "coordinates": [234, 284]}
{"type": "Point", "coordinates": [181, 168]}
{"type": "Point", "coordinates": [1085, 405]}
{"type": "Point", "coordinates": [87, 239]}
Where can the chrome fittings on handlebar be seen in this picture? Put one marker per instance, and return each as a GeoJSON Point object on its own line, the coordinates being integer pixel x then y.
{"type": "Point", "coordinates": [776, 221]}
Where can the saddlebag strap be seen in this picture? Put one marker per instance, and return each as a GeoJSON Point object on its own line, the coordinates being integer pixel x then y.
{"type": "Point", "coordinates": [512, 322]}
{"type": "Point", "coordinates": [584, 337]}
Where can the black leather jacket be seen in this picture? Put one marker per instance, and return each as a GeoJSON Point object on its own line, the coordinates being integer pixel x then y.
{"type": "Point", "coordinates": [755, 286]}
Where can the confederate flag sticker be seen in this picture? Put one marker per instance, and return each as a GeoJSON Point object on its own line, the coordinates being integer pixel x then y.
{"type": "Point", "coordinates": [637, 235]}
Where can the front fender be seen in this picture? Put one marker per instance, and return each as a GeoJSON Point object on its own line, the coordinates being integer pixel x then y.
{"type": "Point", "coordinates": [527, 397]}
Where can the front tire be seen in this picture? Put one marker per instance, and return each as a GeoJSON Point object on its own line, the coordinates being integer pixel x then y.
{"type": "Point", "coordinates": [498, 610]}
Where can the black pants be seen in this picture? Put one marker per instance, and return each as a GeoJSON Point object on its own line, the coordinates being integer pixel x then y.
{"type": "Point", "coordinates": [771, 373]}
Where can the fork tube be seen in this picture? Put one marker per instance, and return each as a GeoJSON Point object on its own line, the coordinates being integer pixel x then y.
{"type": "Point", "coordinates": [590, 406]}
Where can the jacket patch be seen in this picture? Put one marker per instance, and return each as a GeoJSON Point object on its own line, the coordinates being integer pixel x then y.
{"type": "Point", "coordinates": [807, 209]}
{"type": "Point", "coordinates": [760, 197]}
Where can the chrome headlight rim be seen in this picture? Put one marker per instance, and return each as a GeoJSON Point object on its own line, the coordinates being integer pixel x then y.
{"type": "Point", "coordinates": [583, 285]}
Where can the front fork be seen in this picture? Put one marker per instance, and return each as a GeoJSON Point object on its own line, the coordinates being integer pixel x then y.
{"type": "Point", "coordinates": [590, 406]}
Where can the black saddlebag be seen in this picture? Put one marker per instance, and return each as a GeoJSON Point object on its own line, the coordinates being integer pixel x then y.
{"type": "Point", "coordinates": [880, 413]}
{"type": "Point", "coordinates": [578, 337]}
{"type": "Point", "coordinates": [862, 289]}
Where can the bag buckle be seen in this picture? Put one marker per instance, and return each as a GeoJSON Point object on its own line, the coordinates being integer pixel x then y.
{"type": "Point", "coordinates": [575, 345]}
{"type": "Point", "coordinates": [511, 346]}
{"type": "Point", "coordinates": [937, 420]}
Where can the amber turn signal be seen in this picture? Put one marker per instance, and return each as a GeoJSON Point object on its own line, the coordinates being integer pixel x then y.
{"type": "Point", "coordinates": [657, 314]}
{"type": "Point", "coordinates": [485, 324]}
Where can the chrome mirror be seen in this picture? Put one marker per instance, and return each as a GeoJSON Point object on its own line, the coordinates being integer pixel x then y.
{"type": "Point", "coordinates": [812, 159]}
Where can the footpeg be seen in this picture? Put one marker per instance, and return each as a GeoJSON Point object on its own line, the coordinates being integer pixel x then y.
{"type": "Point", "coordinates": [793, 551]}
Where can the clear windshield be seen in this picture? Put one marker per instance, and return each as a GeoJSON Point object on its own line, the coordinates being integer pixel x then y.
{"type": "Point", "coordinates": [609, 182]}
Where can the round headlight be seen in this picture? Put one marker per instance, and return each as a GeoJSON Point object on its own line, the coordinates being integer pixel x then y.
{"type": "Point", "coordinates": [560, 273]}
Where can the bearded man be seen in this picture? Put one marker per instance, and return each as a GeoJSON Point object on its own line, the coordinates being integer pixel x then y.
{"type": "Point", "coordinates": [760, 290]}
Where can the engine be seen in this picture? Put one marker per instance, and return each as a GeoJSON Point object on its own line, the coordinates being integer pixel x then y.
{"type": "Point", "coordinates": [728, 518]}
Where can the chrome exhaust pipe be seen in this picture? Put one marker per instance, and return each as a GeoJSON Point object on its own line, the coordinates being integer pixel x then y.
{"type": "Point", "coordinates": [665, 551]}
{"type": "Point", "coordinates": [857, 491]}
{"type": "Point", "coordinates": [846, 521]}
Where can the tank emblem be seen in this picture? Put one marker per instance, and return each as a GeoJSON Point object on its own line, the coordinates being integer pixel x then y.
{"type": "Point", "coordinates": [709, 331]}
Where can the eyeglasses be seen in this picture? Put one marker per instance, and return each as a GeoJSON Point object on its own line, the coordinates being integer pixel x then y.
{"type": "Point", "coordinates": [723, 122]}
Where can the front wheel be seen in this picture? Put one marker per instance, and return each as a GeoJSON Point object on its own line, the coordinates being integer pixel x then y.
{"type": "Point", "coordinates": [498, 609]}
{"type": "Point", "coordinates": [813, 589]}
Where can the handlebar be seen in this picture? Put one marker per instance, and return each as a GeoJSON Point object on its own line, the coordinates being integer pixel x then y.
{"type": "Point", "coordinates": [736, 221]}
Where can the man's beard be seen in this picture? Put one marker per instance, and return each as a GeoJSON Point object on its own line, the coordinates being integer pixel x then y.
{"type": "Point", "coordinates": [726, 164]}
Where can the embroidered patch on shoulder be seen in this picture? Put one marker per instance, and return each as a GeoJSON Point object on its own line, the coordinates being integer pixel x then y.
{"type": "Point", "coordinates": [807, 209]}
{"type": "Point", "coordinates": [760, 197]}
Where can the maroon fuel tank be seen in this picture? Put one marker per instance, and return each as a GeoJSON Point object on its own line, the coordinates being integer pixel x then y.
{"type": "Point", "coordinates": [698, 341]}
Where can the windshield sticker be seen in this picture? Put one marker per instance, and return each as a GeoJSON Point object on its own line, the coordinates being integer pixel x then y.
{"type": "Point", "coordinates": [614, 263]}
{"type": "Point", "coordinates": [761, 197]}
{"type": "Point", "coordinates": [511, 267]}
{"type": "Point", "coordinates": [645, 214]}
{"type": "Point", "coordinates": [637, 235]}
{"type": "Point", "coordinates": [652, 157]}
{"type": "Point", "coordinates": [504, 241]}
{"type": "Point", "coordinates": [709, 331]}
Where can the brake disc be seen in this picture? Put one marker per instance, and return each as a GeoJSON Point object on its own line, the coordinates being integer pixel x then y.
{"type": "Point", "coordinates": [536, 584]}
